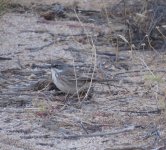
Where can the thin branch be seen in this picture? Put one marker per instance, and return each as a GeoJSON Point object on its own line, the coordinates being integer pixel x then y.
{"type": "Point", "coordinates": [127, 129]}
{"type": "Point", "coordinates": [34, 49]}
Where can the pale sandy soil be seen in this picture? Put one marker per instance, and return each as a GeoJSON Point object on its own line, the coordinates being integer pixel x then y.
{"type": "Point", "coordinates": [127, 115]}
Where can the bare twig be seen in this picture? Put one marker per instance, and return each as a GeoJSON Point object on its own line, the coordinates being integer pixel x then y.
{"type": "Point", "coordinates": [127, 129]}
{"type": "Point", "coordinates": [34, 49]}
{"type": "Point", "coordinates": [157, 111]}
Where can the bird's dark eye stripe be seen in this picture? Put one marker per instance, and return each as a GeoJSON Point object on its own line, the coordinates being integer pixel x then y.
{"type": "Point", "coordinates": [57, 65]}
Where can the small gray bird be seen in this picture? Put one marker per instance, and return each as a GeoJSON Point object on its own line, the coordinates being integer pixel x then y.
{"type": "Point", "coordinates": [67, 80]}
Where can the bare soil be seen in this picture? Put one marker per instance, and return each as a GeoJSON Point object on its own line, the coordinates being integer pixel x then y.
{"type": "Point", "coordinates": [126, 113]}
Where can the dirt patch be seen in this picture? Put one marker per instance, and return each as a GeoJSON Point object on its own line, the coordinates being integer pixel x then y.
{"type": "Point", "coordinates": [126, 112]}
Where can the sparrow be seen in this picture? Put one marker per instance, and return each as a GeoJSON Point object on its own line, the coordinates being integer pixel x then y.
{"type": "Point", "coordinates": [68, 80]}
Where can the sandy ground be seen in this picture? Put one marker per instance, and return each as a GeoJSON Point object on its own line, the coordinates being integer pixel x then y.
{"type": "Point", "coordinates": [127, 114]}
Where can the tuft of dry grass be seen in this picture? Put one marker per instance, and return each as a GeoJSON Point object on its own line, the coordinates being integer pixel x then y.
{"type": "Point", "coordinates": [3, 6]}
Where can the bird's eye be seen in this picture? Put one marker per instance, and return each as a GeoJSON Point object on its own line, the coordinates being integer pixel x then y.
{"type": "Point", "coordinates": [57, 66]}
{"type": "Point", "coordinates": [54, 65]}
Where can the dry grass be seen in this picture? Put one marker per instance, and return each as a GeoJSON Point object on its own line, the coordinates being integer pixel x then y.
{"type": "Point", "coordinates": [3, 6]}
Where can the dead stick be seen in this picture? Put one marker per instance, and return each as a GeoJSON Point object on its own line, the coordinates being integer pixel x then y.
{"type": "Point", "coordinates": [127, 129]}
